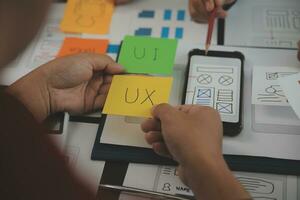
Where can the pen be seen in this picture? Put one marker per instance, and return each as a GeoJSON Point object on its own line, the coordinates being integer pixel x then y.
{"type": "Point", "coordinates": [145, 193]}
{"type": "Point", "coordinates": [211, 24]}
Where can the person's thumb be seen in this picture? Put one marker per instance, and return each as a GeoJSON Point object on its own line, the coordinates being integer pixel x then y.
{"type": "Point", "coordinates": [164, 112]}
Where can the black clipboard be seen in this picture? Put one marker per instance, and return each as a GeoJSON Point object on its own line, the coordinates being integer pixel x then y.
{"type": "Point", "coordinates": [126, 154]}
{"type": "Point", "coordinates": [118, 153]}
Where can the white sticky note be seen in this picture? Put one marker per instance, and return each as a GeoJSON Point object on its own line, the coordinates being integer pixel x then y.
{"type": "Point", "coordinates": [291, 89]}
{"type": "Point", "coordinates": [266, 89]}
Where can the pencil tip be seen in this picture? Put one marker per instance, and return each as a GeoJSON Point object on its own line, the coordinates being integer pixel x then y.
{"type": "Point", "coordinates": [206, 49]}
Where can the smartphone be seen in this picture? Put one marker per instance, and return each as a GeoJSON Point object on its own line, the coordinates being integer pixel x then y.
{"type": "Point", "coordinates": [216, 80]}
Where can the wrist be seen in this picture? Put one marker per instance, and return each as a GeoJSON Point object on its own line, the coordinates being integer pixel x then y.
{"type": "Point", "coordinates": [31, 90]}
{"type": "Point", "coordinates": [210, 178]}
{"type": "Point", "coordinates": [199, 167]}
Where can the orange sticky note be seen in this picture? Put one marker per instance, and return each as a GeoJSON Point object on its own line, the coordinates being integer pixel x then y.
{"type": "Point", "coordinates": [88, 16]}
{"type": "Point", "coordinates": [77, 45]}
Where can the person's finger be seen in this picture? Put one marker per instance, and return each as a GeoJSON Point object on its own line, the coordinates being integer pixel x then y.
{"type": "Point", "coordinates": [184, 108]}
{"type": "Point", "coordinates": [94, 84]}
{"type": "Point", "coordinates": [104, 88]}
{"type": "Point", "coordinates": [164, 112]}
{"type": "Point", "coordinates": [219, 3]}
{"type": "Point", "coordinates": [161, 149]}
{"type": "Point", "coordinates": [102, 63]}
{"type": "Point", "coordinates": [153, 137]}
{"type": "Point", "coordinates": [92, 89]}
{"type": "Point", "coordinates": [197, 11]}
{"type": "Point", "coordinates": [151, 125]}
{"type": "Point", "coordinates": [221, 13]}
{"type": "Point", "coordinates": [114, 68]}
{"type": "Point", "coordinates": [99, 101]}
{"type": "Point", "coordinates": [108, 79]}
{"type": "Point", "coordinates": [209, 5]}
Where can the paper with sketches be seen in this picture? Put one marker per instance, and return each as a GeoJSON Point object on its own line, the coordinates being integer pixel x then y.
{"type": "Point", "coordinates": [132, 95]}
{"type": "Point", "coordinates": [50, 38]}
{"type": "Point", "coordinates": [88, 16]}
{"type": "Point", "coordinates": [78, 150]}
{"type": "Point", "coordinates": [72, 46]}
{"type": "Point", "coordinates": [165, 179]}
{"type": "Point", "coordinates": [146, 55]}
{"type": "Point", "coordinates": [291, 89]}
{"type": "Point", "coordinates": [266, 89]}
{"type": "Point", "coordinates": [268, 23]}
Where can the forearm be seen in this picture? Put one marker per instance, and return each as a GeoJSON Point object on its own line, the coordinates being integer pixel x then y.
{"type": "Point", "coordinates": [31, 91]}
{"type": "Point", "coordinates": [212, 179]}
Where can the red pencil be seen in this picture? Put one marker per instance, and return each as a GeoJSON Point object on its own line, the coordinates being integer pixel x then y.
{"type": "Point", "coordinates": [211, 24]}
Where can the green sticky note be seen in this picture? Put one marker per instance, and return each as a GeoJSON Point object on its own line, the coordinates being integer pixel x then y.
{"type": "Point", "coordinates": [147, 55]}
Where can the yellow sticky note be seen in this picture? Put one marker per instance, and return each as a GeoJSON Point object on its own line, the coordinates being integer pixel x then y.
{"type": "Point", "coordinates": [132, 95]}
{"type": "Point", "coordinates": [88, 16]}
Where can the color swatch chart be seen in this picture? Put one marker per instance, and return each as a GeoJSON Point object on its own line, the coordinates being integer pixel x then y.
{"type": "Point", "coordinates": [167, 23]}
{"type": "Point", "coordinates": [165, 179]}
{"type": "Point", "coordinates": [168, 16]}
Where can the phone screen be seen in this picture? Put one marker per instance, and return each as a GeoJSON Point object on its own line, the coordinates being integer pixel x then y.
{"type": "Point", "coordinates": [215, 82]}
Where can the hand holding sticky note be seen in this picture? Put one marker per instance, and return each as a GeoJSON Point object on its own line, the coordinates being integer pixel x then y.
{"type": "Point", "coordinates": [146, 55]}
{"type": "Point", "coordinates": [88, 16]}
{"type": "Point", "coordinates": [72, 46]}
{"type": "Point", "coordinates": [135, 95]}
{"type": "Point", "coordinates": [132, 95]}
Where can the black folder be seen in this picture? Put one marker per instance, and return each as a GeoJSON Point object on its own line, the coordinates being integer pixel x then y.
{"type": "Point", "coordinates": [118, 153]}
{"type": "Point", "coordinates": [109, 152]}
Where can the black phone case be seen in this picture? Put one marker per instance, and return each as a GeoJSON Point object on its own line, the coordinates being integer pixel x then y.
{"type": "Point", "coordinates": [230, 129]}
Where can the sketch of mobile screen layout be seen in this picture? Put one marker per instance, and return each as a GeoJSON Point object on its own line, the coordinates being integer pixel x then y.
{"type": "Point", "coordinates": [215, 81]}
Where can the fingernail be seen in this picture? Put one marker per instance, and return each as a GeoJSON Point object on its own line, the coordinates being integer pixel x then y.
{"type": "Point", "coordinates": [120, 67]}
